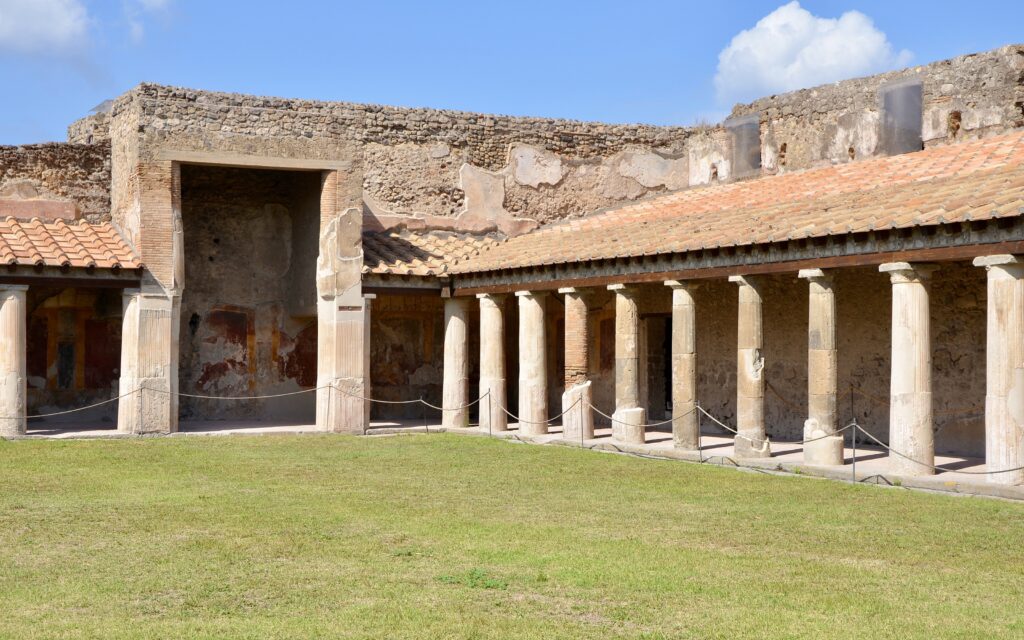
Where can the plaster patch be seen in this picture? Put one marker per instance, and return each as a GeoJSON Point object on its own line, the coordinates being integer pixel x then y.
{"type": "Point", "coordinates": [653, 171]}
{"type": "Point", "coordinates": [533, 167]}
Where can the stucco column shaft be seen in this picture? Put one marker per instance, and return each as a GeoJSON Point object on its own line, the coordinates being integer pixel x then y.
{"type": "Point", "coordinates": [577, 419]}
{"type": "Point", "coordinates": [751, 441]}
{"type": "Point", "coordinates": [533, 374]}
{"type": "Point", "coordinates": [12, 360]}
{"type": "Point", "coordinates": [149, 362]}
{"type": "Point", "coordinates": [629, 416]}
{"type": "Point", "coordinates": [455, 387]}
{"type": "Point", "coordinates": [493, 381]}
{"type": "Point", "coordinates": [910, 399]}
{"type": "Point", "coordinates": [823, 446]}
{"type": "Point", "coordinates": [685, 421]}
{"type": "Point", "coordinates": [1004, 352]}
{"type": "Point", "coordinates": [343, 364]}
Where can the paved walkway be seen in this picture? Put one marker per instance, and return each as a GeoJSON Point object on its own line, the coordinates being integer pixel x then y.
{"type": "Point", "coordinates": [965, 475]}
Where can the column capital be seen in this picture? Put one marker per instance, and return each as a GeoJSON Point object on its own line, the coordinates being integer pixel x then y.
{"type": "Point", "coordinates": [622, 289]}
{"type": "Point", "coordinates": [749, 281]}
{"type": "Point", "coordinates": [815, 275]}
{"type": "Point", "coordinates": [578, 291]}
{"type": "Point", "coordinates": [1006, 262]}
{"type": "Point", "coordinates": [490, 296]}
{"type": "Point", "coordinates": [689, 285]}
{"type": "Point", "coordinates": [531, 294]}
{"type": "Point", "coordinates": [905, 272]}
{"type": "Point", "coordinates": [13, 287]}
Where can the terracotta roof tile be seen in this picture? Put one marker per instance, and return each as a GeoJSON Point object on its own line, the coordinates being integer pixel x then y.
{"type": "Point", "coordinates": [60, 244]}
{"type": "Point", "coordinates": [973, 180]}
{"type": "Point", "coordinates": [420, 253]}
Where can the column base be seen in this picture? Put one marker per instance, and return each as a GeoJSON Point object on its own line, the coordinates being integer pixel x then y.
{"type": "Point", "coordinates": [494, 404]}
{"type": "Point", "coordinates": [685, 428]}
{"type": "Point", "coordinates": [627, 425]}
{"type": "Point", "coordinates": [578, 420]}
{"type": "Point", "coordinates": [901, 466]}
{"type": "Point", "coordinates": [749, 445]}
{"type": "Point", "coordinates": [148, 407]}
{"type": "Point", "coordinates": [825, 451]}
{"type": "Point", "coordinates": [340, 407]}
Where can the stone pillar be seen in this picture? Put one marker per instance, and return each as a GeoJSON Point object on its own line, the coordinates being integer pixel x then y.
{"type": "Point", "coordinates": [492, 364]}
{"type": "Point", "coordinates": [825, 447]}
{"type": "Point", "coordinates": [343, 312]}
{"type": "Point", "coordinates": [751, 441]}
{"type": "Point", "coordinates": [343, 365]}
{"type": "Point", "coordinates": [149, 363]}
{"type": "Point", "coordinates": [577, 419]}
{"type": "Point", "coordinates": [629, 416]}
{"type": "Point", "coordinates": [455, 387]}
{"type": "Point", "coordinates": [533, 373]}
{"type": "Point", "coordinates": [910, 399]}
{"type": "Point", "coordinates": [13, 331]}
{"type": "Point", "coordinates": [1004, 395]}
{"type": "Point", "coordinates": [685, 421]}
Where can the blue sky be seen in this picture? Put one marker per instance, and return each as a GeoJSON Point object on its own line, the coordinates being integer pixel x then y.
{"type": "Point", "coordinates": [637, 61]}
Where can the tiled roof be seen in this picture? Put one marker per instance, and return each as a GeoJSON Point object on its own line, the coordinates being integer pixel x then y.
{"type": "Point", "coordinates": [62, 244]}
{"type": "Point", "coordinates": [973, 180]}
{"type": "Point", "coordinates": [419, 253]}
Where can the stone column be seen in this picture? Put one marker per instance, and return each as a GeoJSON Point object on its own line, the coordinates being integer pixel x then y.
{"type": "Point", "coordinates": [533, 373]}
{"type": "Point", "coordinates": [577, 419]}
{"type": "Point", "coordinates": [1004, 352]}
{"type": "Point", "coordinates": [685, 421]}
{"type": "Point", "coordinates": [629, 416]}
{"type": "Point", "coordinates": [455, 387]}
{"type": "Point", "coordinates": [751, 441]}
{"type": "Point", "coordinates": [825, 447]}
{"type": "Point", "coordinates": [343, 364]}
{"type": "Point", "coordinates": [13, 332]}
{"type": "Point", "coordinates": [910, 399]}
{"type": "Point", "coordinates": [149, 362]}
{"type": "Point", "coordinates": [492, 364]}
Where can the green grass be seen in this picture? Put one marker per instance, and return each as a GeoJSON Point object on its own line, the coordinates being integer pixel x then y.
{"type": "Point", "coordinates": [462, 537]}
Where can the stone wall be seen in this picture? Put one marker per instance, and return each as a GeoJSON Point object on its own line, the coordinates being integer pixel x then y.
{"type": "Point", "coordinates": [965, 97]}
{"type": "Point", "coordinates": [55, 177]}
{"type": "Point", "coordinates": [448, 169]}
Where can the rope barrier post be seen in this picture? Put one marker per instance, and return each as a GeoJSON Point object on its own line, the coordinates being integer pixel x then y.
{"type": "Point", "coordinates": [490, 415]}
{"type": "Point", "coordinates": [579, 400]}
{"type": "Point", "coordinates": [423, 414]}
{"type": "Point", "coordinates": [700, 443]}
{"type": "Point", "coordinates": [853, 440]}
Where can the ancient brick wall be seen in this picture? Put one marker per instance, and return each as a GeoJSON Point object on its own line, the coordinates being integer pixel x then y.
{"type": "Point", "coordinates": [56, 178]}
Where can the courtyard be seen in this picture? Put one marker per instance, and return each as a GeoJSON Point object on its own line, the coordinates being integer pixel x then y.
{"type": "Point", "coordinates": [437, 535]}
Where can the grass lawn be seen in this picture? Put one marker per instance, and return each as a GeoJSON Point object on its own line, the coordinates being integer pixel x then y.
{"type": "Point", "coordinates": [463, 537]}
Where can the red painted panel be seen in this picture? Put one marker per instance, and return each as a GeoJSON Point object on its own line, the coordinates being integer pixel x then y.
{"type": "Point", "coordinates": [102, 352]}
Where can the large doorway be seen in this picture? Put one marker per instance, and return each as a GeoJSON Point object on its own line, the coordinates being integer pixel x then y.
{"type": "Point", "coordinates": [248, 310]}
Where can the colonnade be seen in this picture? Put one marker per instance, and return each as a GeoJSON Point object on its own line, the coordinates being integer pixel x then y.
{"type": "Point", "coordinates": [911, 420]}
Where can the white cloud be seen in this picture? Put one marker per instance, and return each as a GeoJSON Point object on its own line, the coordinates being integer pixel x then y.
{"type": "Point", "coordinates": [134, 10]}
{"type": "Point", "coordinates": [43, 26]}
{"type": "Point", "coordinates": [792, 49]}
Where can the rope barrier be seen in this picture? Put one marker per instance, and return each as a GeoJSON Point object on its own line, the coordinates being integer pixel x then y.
{"type": "Point", "coordinates": [701, 411]}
